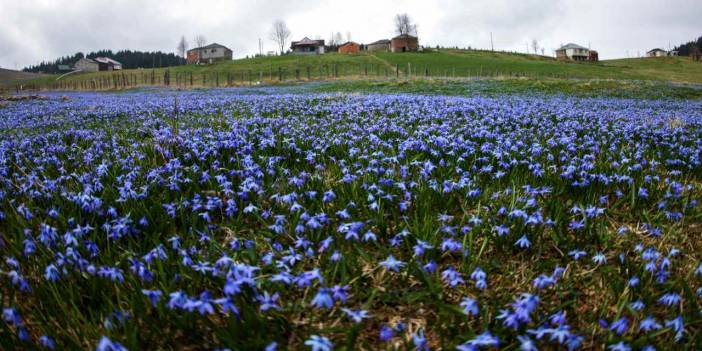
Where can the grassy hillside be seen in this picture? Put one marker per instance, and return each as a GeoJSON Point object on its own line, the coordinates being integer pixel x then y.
{"type": "Point", "coordinates": [471, 63]}
{"type": "Point", "coordinates": [9, 77]}
{"type": "Point", "coordinates": [451, 63]}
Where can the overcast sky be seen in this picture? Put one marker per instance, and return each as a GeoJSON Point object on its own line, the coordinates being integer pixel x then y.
{"type": "Point", "coordinates": [35, 30]}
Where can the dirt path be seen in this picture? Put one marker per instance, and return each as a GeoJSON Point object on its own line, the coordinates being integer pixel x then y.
{"type": "Point", "coordinates": [386, 63]}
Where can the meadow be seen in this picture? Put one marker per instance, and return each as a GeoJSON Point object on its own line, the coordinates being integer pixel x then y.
{"type": "Point", "coordinates": [273, 219]}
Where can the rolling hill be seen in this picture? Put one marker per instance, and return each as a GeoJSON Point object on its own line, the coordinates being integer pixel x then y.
{"type": "Point", "coordinates": [443, 63]}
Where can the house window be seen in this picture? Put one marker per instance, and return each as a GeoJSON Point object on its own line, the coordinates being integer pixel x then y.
{"type": "Point", "coordinates": [213, 50]}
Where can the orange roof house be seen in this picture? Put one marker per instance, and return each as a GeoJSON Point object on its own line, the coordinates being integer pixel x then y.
{"type": "Point", "coordinates": [349, 48]}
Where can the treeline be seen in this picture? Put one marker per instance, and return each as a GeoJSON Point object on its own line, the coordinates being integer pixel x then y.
{"type": "Point", "coordinates": [690, 48]}
{"type": "Point", "coordinates": [128, 58]}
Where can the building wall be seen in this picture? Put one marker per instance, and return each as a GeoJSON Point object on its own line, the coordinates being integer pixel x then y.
{"type": "Point", "coordinates": [378, 47]}
{"type": "Point", "coordinates": [593, 56]}
{"type": "Point", "coordinates": [87, 66]}
{"type": "Point", "coordinates": [351, 48]}
{"type": "Point", "coordinates": [573, 54]}
{"type": "Point", "coordinates": [308, 50]}
{"type": "Point", "coordinates": [404, 44]}
{"type": "Point", "coordinates": [657, 53]}
{"type": "Point", "coordinates": [578, 54]}
{"type": "Point", "coordinates": [192, 57]}
{"type": "Point", "coordinates": [216, 53]}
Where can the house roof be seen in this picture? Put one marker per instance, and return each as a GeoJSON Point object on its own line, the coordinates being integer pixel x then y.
{"type": "Point", "coordinates": [572, 46]}
{"type": "Point", "coordinates": [210, 46]}
{"type": "Point", "coordinates": [380, 42]}
{"type": "Point", "coordinates": [307, 41]}
{"type": "Point", "coordinates": [107, 60]}
{"type": "Point", "coordinates": [656, 49]}
{"type": "Point", "coordinates": [403, 36]}
{"type": "Point", "coordinates": [349, 43]}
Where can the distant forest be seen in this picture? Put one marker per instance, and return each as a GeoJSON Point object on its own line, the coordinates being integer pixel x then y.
{"type": "Point", "coordinates": [128, 58]}
{"type": "Point", "coordinates": [690, 47]}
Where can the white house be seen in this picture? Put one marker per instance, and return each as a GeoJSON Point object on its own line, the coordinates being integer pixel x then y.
{"type": "Point", "coordinates": [576, 52]}
{"type": "Point", "coordinates": [307, 46]}
{"type": "Point", "coordinates": [656, 53]}
{"type": "Point", "coordinates": [209, 53]}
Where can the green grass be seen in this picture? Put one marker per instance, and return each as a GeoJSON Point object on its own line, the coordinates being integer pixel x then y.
{"type": "Point", "coordinates": [497, 87]}
{"type": "Point", "coordinates": [481, 63]}
{"type": "Point", "coordinates": [379, 66]}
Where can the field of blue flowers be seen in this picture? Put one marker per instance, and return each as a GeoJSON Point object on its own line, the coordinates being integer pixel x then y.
{"type": "Point", "coordinates": [269, 221]}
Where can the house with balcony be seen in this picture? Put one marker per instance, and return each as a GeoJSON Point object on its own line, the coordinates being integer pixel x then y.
{"type": "Point", "coordinates": [575, 52]}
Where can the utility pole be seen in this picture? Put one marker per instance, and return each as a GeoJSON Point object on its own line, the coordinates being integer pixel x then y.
{"type": "Point", "coordinates": [492, 45]}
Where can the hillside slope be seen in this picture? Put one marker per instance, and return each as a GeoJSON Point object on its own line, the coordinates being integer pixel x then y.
{"type": "Point", "coordinates": [8, 76]}
{"type": "Point", "coordinates": [444, 63]}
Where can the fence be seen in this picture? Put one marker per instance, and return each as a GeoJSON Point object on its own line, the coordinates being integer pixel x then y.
{"type": "Point", "coordinates": [166, 78]}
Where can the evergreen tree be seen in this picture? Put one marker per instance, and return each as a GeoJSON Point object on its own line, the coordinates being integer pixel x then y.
{"type": "Point", "coordinates": [128, 59]}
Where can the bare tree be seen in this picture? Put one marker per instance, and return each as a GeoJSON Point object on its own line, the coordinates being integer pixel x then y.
{"type": "Point", "coordinates": [535, 46]}
{"type": "Point", "coordinates": [404, 25]}
{"type": "Point", "coordinates": [335, 40]}
{"type": "Point", "coordinates": [182, 47]}
{"type": "Point", "coordinates": [199, 41]}
{"type": "Point", "coordinates": [338, 38]}
{"type": "Point", "coordinates": [280, 34]}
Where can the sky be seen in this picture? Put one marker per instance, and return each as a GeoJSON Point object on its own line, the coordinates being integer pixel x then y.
{"type": "Point", "coordinates": [36, 30]}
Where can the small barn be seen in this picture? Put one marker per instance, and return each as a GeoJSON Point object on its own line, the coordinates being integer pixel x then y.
{"type": "Point", "coordinates": [657, 52]}
{"type": "Point", "coordinates": [108, 64]}
{"type": "Point", "coordinates": [97, 64]}
{"type": "Point", "coordinates": [349, 48]}
{"type": "Point", "coordinates": [380, 45]}
{"type": "Point", "coordinates": [404, 43]}
{"type": "Point", "coordinates": [307, 46]}
{"type": "Point", "coordinates": [209, 53]}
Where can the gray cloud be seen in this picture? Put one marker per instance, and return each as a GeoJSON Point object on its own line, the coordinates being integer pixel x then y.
{"type": "Point", "coordinates": [36, 30]}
